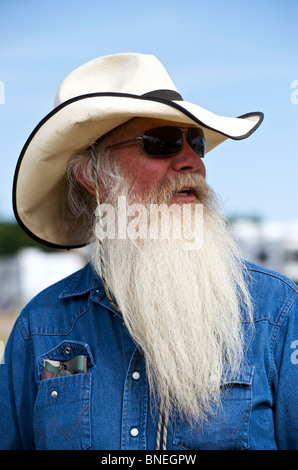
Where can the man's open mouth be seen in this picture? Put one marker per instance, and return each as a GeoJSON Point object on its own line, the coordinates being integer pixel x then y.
{"type": "Point", "coordinates": [185, 192]}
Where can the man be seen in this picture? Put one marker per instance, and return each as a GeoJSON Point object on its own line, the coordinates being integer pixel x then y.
{"type": "Point", "coordinates": [183, 345]}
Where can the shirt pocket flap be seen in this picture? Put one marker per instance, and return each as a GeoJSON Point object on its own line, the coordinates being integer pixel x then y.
{"type": "Point", "coordinates": [244, 376]}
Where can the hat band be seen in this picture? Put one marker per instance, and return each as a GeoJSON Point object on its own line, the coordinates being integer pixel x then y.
{"type": "Point", "coordinates": [163, 95]}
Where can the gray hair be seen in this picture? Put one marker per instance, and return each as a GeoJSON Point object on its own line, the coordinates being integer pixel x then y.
{"type": "Point", "coordinates": [77, 211]}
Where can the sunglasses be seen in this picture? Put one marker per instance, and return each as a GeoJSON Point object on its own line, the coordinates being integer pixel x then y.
{"type": "Point", "coordinates": [168, 140]}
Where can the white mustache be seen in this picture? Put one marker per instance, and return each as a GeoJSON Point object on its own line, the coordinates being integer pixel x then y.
{"type": "Point", "coordinates": [190, 182]}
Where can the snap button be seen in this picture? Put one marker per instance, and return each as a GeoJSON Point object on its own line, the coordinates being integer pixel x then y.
{"type": "Point", "coordinates": [67, 350]}
{"type": "Point", "coordinates": [134, 432]}
{"type": "Point", "coordinates": [136, 375]}
{"type": "Point", "coordinates": [54, 393]}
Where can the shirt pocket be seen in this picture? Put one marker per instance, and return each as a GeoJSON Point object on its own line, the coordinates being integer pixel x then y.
{"type": "Point", "coordinates": [61, 417]}
{"type": "Point", "coordinates": [228, 428]}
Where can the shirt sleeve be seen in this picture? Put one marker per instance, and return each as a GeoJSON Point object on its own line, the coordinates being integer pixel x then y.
{"type": "Point", "coordinates": [286, 399]}
{"type": "Point", "coordinates": [17, 391]}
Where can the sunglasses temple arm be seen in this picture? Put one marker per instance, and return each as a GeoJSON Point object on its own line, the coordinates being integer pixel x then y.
{"type": "Point", "coordinates": [125, 142]}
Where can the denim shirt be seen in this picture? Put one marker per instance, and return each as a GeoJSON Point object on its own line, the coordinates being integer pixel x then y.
{"type": "Point", "coordinates": [109, 407]}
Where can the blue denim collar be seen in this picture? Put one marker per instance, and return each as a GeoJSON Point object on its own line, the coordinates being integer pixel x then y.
{"type": "Point", "coordinates": [83, 282]}
{"type": "Point", "coordinates": [87, 282]}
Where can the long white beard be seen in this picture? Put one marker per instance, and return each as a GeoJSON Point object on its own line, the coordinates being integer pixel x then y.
{"type": "Point", "coordinates": [182, 307]}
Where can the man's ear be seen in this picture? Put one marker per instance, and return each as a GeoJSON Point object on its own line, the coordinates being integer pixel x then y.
{"type": "Point", "coordinates": [89, 186]}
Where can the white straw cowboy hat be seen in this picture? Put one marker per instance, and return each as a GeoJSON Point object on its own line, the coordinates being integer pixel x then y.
{"type": "Point", "coordinates": [92, 100]}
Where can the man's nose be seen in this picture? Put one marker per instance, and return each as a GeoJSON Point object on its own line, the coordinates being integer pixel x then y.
{"type": "Point", "coordinates": [187, 161]}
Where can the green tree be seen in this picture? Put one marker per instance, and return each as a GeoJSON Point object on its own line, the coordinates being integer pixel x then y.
{"type": "Point", "coordinates": [13, 238]}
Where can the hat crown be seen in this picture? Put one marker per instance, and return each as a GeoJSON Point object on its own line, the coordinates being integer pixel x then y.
{"type": "Point", "coordinates": [130, 73]}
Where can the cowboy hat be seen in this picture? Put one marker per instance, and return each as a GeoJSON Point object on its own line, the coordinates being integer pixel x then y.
{"type": "Point", "coordinates": [91, 101]}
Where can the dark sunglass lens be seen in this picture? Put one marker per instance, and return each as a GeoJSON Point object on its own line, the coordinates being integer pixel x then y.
{"type": "Point", "coordinates": [162, 141]}
{"type": "Point", "coordinates": [197, 141]}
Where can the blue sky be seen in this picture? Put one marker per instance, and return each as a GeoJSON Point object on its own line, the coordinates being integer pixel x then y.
{"type": "Point", "coordinates": [232, 57]}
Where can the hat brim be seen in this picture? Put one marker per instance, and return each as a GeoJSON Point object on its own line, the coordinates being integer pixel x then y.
{"type": "Point", "coordinates": [74, 126]}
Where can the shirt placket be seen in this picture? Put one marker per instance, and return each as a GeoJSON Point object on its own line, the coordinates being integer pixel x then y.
{"type": "Point", "coordinates": [135, 405]}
